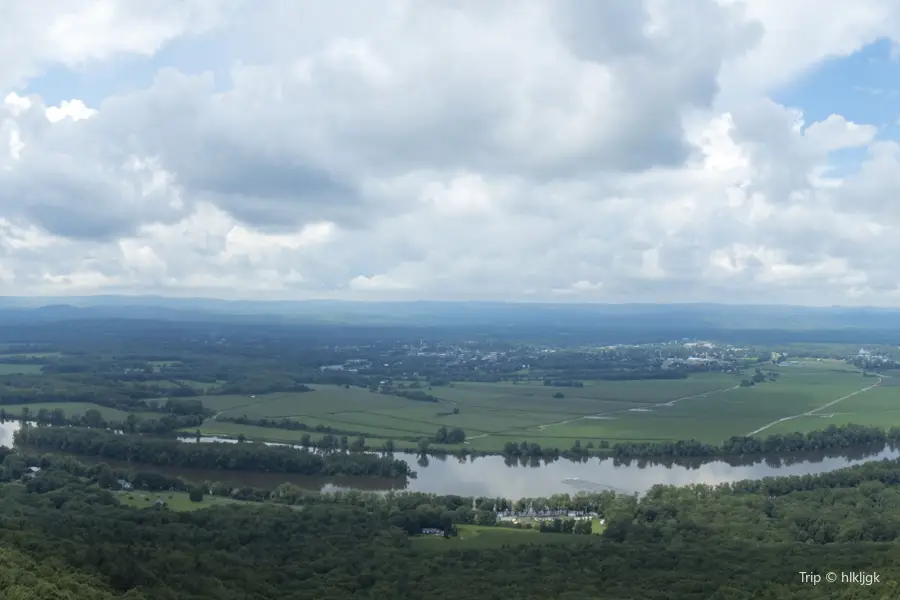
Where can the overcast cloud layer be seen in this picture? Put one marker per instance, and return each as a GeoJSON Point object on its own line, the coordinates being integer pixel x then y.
{"type": "Point", "coordinates": [545, 150]}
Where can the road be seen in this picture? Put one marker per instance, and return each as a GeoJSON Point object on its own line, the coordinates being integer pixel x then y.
{"type": "Point", "coordinates": [651, 406]}
{"type": "Point", "coordinates": [813, 412]}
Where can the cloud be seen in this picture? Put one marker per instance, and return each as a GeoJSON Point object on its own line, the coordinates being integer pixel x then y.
{"type": "Point", "coordinates": [57, 32]}
{"type": "Point", "coordinates": [836, 132]}
{"type": "Point", "coordinates": [615, 151]}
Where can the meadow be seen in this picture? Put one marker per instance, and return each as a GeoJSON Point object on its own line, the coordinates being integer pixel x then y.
{"type": "Point", "coordinates": [709, 407]}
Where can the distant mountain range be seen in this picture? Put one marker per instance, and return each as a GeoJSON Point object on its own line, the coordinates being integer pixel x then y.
{"type": "Point", "coordinates": [579, 317]}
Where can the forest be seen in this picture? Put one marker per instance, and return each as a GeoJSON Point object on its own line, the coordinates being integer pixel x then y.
{"type": "Point", "coordinates": [224, 456]}
{"type": "Point", "coordinates": [63, 536]}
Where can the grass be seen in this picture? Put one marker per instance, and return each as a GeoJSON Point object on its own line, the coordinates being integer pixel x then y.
{"type": "Point", "coordinates": [707, 407]}
{"type": "Point", "coordinates": [878, 407]}
{"type": "Point", "coordinates": [14, 369]}
{"type": "Point", "coordinates": [489, 537]}
{"type": "Point", "coordinates": [175, 501]}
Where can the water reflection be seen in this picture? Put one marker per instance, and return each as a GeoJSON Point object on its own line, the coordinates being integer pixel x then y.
{"type": "Point", "coordinates": [524, 477]}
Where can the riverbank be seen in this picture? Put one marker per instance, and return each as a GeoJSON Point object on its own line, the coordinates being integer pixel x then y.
{"type": "Point", "coordinates": [842, 437]}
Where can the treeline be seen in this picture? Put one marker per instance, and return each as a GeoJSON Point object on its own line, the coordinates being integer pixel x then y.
{"type": "Point", "coordinates": [832, 437]}
{"type": "Point", "coordinates": [264, 385]}
{"type": "Point", "coordinates": [417, 395]}
{"type": "Point", "coordinates": [93, 418]}
{"type": "Point", "coordinates": [42, 389]}
{"type": "Point", "coordinates": [224, 456]}
{"type": "Point", "coordinates": [563, 383]}
{"type": "Point", "coordinates": [292, 425]}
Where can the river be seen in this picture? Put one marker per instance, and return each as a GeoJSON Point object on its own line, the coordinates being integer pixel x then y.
{"type": "Point", "coordinates": [494, 476]}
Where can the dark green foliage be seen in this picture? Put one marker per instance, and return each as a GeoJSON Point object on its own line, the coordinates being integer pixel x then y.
{"type": "Point", "coordinates": [451, 436]}
{"type": "Point", "coordinates": [62, 535]}
{"type": "Point", "coordinates": [232, 457]}
{"type": "Point", "coordinates": [831, 438]}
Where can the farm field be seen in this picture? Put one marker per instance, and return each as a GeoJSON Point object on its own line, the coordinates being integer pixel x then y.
{"type": "Point", "coordinates": [14, 369]}
{"type": "Point", "coordinates": [708, 407]}
{"type": "Point", "coordinates": [486, 536]}
{"type": "Point", "coordinates": [878, 407]}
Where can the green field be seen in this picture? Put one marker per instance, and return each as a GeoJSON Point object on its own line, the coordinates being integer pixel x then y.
{"type": "Point", "coordinates": [485, 536]}
{"type": "Point", "coordinates": [14, 369]}
{"type": "Point", "coordinates": [878, 407]}
{"type": "Point", "coordinates": [707, 407]}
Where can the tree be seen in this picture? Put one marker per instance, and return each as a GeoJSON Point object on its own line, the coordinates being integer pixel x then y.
{"type": "Point", "coordinates": [196, 494]}
{"type": "Point", "coordinates": [93, 418]}
{"type": "Point", "coordinates": [424, 446]}
{"type": "Point", "coordinates": [441, 436]}
{"type": "Point", "coordinates": [131, 423]}
{"type": "Point", "coordinates": [456, 436]}
{"type": "Point", "coordinates": [389, 446]}
{"type": "Point", "coordinates": [584, 527]}
{"type": "Point", "coordinates": [105, 477]}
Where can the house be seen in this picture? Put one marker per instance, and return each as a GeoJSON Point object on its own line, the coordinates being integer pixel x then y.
{"type": "Point", "coordinates": [159, 502]}
{"type": "Point", "coordinates": [432, 531]}
{"type": "Point", "coordinates": [32, 471]}
{"type": "Point", "coordinates": [125, 485]}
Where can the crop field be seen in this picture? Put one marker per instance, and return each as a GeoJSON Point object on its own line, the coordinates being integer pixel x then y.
{"type": "Point", "coordinates": [878, 407]}
{"type": "Point", "coordinates": [708, 407]}
{"type": "Point", "coordinates": [14, 369]}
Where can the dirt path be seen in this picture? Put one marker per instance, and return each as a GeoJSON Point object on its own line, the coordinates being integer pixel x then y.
{"type": "Point", "coordinates": [613, 412]}
{"type": "Point", "coordinates": [657, 405]}
{"type": "Point", "coordinates": [815, 410]}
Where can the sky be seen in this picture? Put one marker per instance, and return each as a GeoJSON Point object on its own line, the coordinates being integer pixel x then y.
{"type": "Point", "coordinates": [737, 151]}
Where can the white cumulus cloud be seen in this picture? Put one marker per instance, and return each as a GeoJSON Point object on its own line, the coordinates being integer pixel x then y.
{"type": "Point", "coordinates": [630, 150]}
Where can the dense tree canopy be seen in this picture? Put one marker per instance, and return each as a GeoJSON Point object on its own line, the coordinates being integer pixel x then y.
{"type": "Point", "coordinates": [224, 456]}
{"type": "Point", "coordinates": [63, 537]}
